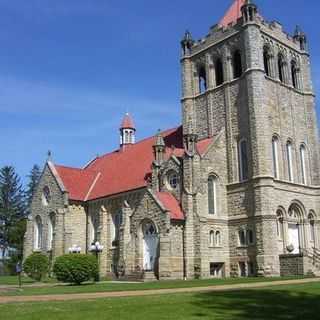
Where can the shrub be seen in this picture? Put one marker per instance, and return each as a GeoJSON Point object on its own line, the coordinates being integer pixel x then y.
{"type": "Point", "coordinates": [36, 266]}
{"type": "Point", "coordinates": [75, 268]}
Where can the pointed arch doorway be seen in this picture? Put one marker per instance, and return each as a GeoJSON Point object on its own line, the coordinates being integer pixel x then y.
{"type": "Point", "coordinates": [150, 246]}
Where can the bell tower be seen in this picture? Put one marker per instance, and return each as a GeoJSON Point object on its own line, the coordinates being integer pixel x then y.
{"type": "Point", "coordinates": [127, 131]}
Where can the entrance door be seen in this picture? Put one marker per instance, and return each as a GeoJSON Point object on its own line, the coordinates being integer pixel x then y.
{"type": "Point", "coordinates": [293, 238]}
{"type": "Point", "coordinates": [150, 247]}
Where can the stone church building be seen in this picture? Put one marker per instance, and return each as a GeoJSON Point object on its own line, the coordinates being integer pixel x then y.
{"type": "Point", "coordinates": [234, 191]}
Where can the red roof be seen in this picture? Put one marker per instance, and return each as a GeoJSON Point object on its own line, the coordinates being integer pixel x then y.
{"type": "Point", "coordinates": [233, 13]}
{"type": "Point", "coordinates": [122, 170]}
{"type": "Point", "coordinates": [127, 122]}
{"type": "Point", "coordinates": [171, 204]}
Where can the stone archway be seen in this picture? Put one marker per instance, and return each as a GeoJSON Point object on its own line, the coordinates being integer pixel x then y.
{"type": "Point", "coordinates": [150, 246]}
{"type": "Point", "coordinates": [295, 230]}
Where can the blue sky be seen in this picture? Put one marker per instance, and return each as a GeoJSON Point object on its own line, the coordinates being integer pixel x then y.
{"type": "Point", "coordinates": [70, 69]}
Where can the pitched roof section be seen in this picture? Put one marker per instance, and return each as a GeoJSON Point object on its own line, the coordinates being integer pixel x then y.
{"type": "Point", "coordinates": [233, 13]}
{"type": "Point", "coordinates": [122, 170]}
{"type": "Point", "coordinates": [127, 122]}
{"type": "Point", "coordinates": [78, 182]}
{"type": "Point", "coordinates": [171, 204]}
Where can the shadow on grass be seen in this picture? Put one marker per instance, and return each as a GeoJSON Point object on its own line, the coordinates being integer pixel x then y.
{"type": "Point", "coordinates": [260, 304]}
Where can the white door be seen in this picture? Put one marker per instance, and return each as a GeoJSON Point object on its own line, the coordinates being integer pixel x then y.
{"type": "Point", "coordinates": [293, 238]}
{"type": "Point", "coordinates": [150, 246]}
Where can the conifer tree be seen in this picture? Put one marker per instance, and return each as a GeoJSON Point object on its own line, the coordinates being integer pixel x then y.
{"type": "Point", "coordinates": [12, 208]}
{"type": "Point", "coordinates": [34, 178]}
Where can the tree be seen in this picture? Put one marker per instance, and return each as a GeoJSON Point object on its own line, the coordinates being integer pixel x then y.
{"type": "Point", "coordinates": [12, 208]}
{"type": "Point", "coordinates": [34, 178]}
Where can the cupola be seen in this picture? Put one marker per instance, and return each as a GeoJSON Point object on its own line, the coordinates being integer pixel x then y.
{"type": "Point", "coordinates": [127, 131]}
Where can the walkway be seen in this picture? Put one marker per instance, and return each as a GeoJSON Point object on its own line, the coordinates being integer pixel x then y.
{"type": "Point", "coordinates": [138, 293]}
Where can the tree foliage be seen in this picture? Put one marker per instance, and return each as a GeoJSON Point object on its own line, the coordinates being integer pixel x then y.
{"type": "Point", "coordinates": [34, 178]}
{"type": "Point", "coordinates": [75, 268]}
{"type": "Point", "coordinates": [12, 208]}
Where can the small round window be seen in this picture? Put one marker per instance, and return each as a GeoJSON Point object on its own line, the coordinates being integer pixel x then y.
{"type": "Point", "coordinates": [46, 197]}
{"type": "Point", "coordinates": [173, 180]}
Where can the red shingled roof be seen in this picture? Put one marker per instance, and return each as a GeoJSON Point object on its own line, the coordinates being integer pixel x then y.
{"type": "Point", "coordinates": [171, 204]}
{"type": "Point", "coordinates": [127, 122]}
{"type": "Point", "coordinates": [233, 13]}
{"type": "Point", "coordinates": [122, 170]}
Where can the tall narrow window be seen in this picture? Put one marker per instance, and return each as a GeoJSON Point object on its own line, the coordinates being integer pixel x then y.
{"type": "Point", "coordinates": [212, 195]}
{"type": "Point", "coordinates": [202, 79]}
{"type": "Point", "coordinates": [279, 224]}
{"type": "Point", "coordinates": [312, 227]}
{"type": "Point", "coordinates": [218, 239]}
{"type": "Point", "coordinates": [281, 68]}
{"type": "Point", "coordinates": [38, 233]}
{"type": "Point", "coordinates": [242, 238]}
{"type": "Point", "coordinates": [243, 160]}
{"type": "Point", "coordinates": [51, 225]}
{"type": "Point", "coordinates": [303, 163]}
{"type": "Point", "coordinates": [266, 60]}
{"type": "Point", "coordinates": [211, 238]}
{"type": "Point", "coordinates": [294, 74]}
{"type": "Point", "coordinates": [289, 161]}
{"type": "Point", "coordinates": [219, 72]}
{"type": "Point", "coordinates": [237, 64]}
{"type": "Point", "coordinates": [275, 153]}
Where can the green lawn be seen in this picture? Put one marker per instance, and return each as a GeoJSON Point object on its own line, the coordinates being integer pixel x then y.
{"type": "Point", "coordinates": [277, 303]}
{"type": "Point", "coordinates": [108, 286]}
{"type": "Point", "coordinates": [13, 280]}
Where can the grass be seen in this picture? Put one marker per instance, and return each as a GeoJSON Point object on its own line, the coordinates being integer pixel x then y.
{"type": "Point", "coordinates": [277, 303]}
{"type": "Point", "coordinates": [13, 280]}
{"type": "Point", "coordinates": [108, 286]}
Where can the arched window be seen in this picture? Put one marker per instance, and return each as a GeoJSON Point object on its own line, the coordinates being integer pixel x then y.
{"type": "Point", "coordinates": [250, 237]}
{"type": "Point", "coordinates": [211, 238]}
{"type": "Point", "coordinates": [212, 195]}
{"type": "Point", "coordinates": [281, 67]}
{"type": "Point", "coordinates": [38, 233]}
{"type": "Point", "coordinates": [242, 237]}
{"type": "Point", "coordinates": [237, 64]}
{"type": "Point", "coordinates": [218, 239]}
{"type": "Point", "coordinates": [202, 79]}
{"type": "Point", "coordinates": [294, 74]}
{"type": "Point", "coordinates": [303, 164]}
{"type": "Point", "coordinates": [312, 227]}
{"type": "Point", "coordinates": [289, 161]}
{"type": "Point", "coordinates": [92, 230]}
{"type": "Point", "coordinates": [279, 224]}
{"type": "Point", "coordinates": [116, 224]}
{"type": "Point", "coordinates": [51, 226]}
{"type": "Point", "coordinates": [219, 72]}
{"type": "Point", "coordinates": [172, 180]}
{"type": "Point", "coordinates": [275, 154]}
{"type": "Point", "coordinates": [46, 196]}
{"type": "Point", "coordinates": [243, 160]}
{"type": "Point", "coordinates": [267, 60]}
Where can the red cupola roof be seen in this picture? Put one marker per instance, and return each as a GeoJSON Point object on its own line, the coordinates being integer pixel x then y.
{"type": "Point", "coordinates": [233, 13]}
{"type": "Point", "coordinates": [127, 122]}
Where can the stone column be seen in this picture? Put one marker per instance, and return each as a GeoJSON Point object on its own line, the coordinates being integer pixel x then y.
{"type": "Point", "coordinates": [102, 238]}
{"type": "Point", "coordinates": [165, 258]}
{"type": "Point", "coordinates": [28, 239]}
{"type": "Point", "coordinates": [58, 245]}
{"type": "Point", "coordinates": [127, 254]}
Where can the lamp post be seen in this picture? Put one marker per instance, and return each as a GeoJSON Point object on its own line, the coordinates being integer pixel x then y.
{"type": "Point", "coordinates": [75, 249]}
{"type": "Point", "coordinates": [97, 248]}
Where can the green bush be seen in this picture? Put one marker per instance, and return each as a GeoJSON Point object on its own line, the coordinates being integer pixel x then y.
{"type": "Point", "coordinates": [36, 266]}
{"type": "Point", "coordinates": [75, 268]}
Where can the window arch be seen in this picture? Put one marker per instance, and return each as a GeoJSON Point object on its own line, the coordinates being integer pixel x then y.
{"type": "Point", "coordinates": [237, 64]}
{"type": "Point", "coordinates": [211, 238]}
{"type": "Point", "coordinates": [202, 79]}
{"type": "Point", "coordinates": [267, 60]}
{"type": "Point", "coordinates": [219, 72]}
{"type": "Point", "coordinates": [281, 68]}
{"type": "Point", "coordinates": [289, 160]}
{"type": "Point", "coordinates": [51, 226]}
{"type": "Point", "coordinates": [92, 230]}
{"type": "Point", "coordinates": [218, 238]}
{"type": "Point", "coordinates": [38, 230]}
{"type": "Point", "coordinates": [46, 196]}
{"type": "Point", "coordinates": [242, 237]}
{"type": "Point", "coordinates": [311, 219]}
{"type": "Point", "coordinates": [303, 164]}
{"type": "Point", "coordinates": [294, 74]}
{"type": "Point", "coordinates": [243, 160]}
{"type": "Point", "coordinates": [116, 224]}
{"type": "Point", "coordinates": [212, 194]}
{"type": "Point", "coordinates": [280, 224]}
{"type": "Point", "coordinates": [250, 237]}
{"type": "Point", "coordinates": [275, 156]}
